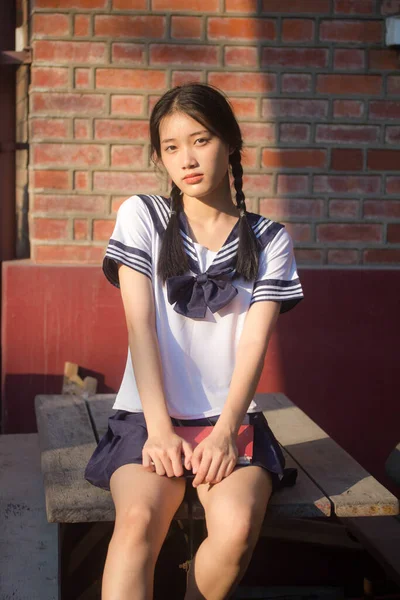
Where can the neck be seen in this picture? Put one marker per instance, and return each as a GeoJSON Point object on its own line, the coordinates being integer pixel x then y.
{"type": "Point", "coordinates": [209, 207]}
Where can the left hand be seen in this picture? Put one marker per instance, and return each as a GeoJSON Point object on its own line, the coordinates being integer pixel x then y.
{"type": "Point", "coordinates": [214, 458]}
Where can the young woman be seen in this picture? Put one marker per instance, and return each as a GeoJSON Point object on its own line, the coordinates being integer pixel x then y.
{"type": "Point", "coordinates": [202, 283]}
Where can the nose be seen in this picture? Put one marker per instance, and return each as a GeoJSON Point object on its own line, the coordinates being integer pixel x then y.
{"type": "Point", "coordinates": [188, 158]}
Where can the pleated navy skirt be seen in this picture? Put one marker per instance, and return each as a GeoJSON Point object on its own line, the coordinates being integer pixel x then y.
{"type": "Point", "coordinates": [127, 433]}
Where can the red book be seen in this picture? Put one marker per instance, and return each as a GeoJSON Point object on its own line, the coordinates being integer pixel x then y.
{"type": "Point", "coordinates": [244, 441]}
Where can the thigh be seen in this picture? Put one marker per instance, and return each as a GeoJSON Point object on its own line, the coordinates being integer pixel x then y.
{"type": "Point", "coordinates": [238, 502]}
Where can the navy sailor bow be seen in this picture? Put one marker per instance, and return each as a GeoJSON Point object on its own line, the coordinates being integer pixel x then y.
{"type": "Point", "coordinates": [193, 294]}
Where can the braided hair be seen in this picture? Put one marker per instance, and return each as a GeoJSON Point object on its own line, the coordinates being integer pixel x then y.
{"type": "Point", "coordinates": [207, 105]}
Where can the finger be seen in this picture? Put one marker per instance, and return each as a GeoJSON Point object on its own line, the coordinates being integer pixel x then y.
{"type": "Point", "coordinates": [175, 457]}
{"type": "Point", "coordinates": [166, 462]}
{"type": "Point", "coordinates": [214, 468]}
{"type": "Point", "coordinates": [159, 467]}
{"type": "Point", "coordinates": [221, 473]}
{"type": "Point", "coordinates": [147, 462]}
{"type": "Point", "coordinates": [202, 470]}
{"type": "Point", "coordinates": [188, 452]}
{"type": "Point", "coordinates": [230, 467]}
{"type": "Point", "coordinates": [196, 458]}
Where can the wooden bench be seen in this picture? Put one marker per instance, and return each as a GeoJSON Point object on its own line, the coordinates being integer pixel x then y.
{"type": "Point", "coordinates": [330, 484]}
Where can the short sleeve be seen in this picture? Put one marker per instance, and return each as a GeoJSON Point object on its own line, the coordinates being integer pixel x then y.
{"type": "Point", "coordinates": [131, 240]}
{"type": "Point", "coordinates": [277, 277]}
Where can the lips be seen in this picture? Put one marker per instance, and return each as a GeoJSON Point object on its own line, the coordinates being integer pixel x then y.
{"type": "Point", "coordinates": [193, 176]}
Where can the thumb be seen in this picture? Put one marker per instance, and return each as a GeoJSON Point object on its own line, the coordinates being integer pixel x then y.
{"type": "Point", "coordinates": [187, 451]}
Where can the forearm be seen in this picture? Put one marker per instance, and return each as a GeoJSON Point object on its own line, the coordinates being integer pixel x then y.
{"type": "Point", "coordinates": [146, 362]}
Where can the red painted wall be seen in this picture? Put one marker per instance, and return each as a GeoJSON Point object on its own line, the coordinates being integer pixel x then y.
{"type": "Point", "coordinates": [335, 355]}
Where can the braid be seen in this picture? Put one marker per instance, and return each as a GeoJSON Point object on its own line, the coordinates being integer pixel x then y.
{"type": "Point", "coordinates": [173, 259]}
{"type": "Point", "coordinates": [247, 257]}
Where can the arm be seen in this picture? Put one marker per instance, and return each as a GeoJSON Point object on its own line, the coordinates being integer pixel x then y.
{"type": "Point", "coordinates": [216, 457]}
{"type": "Point", "coordinates": [163, 446]}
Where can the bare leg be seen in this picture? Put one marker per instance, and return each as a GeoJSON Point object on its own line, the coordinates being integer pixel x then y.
{"type": "Point", "coordinates": [235, 510]}
{"type": "Point", "coordinates": [145, 504]}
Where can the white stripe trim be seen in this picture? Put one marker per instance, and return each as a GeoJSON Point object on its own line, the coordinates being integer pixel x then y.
{"type": "Point", "coordinates": [119, 252]}
{"type": "Point", "coordinates": [159, 212]}
{"type": "Point", "coordinates": [273, 288]}
{"type": "Point", "coordinates": [260, 221]}
{"type": "Point", "coordinates": [130, 262]}
{"type": "Point", "coordinates": [277, 296]}
{"type": "Point", "coordinates": [264, 228]}
{"type": "Point", "coordinates": [162, 206]}
{"type": "Point", "coordinates": [223, 259]}
{"type": "Point", "coordinates": [190, 251]}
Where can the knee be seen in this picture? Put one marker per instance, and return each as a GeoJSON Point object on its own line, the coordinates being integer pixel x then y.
{"type": "Point", "coordinates": [235, 535]}
{"type": "Point", "coordinates": [135, 523]}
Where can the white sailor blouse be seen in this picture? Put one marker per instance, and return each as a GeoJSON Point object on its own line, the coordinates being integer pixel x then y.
{"type": "Point", "coordinates": [199, 315]}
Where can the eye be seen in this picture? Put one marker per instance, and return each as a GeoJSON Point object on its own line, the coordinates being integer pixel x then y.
{"type": "Point", "coordinates": [168, 147]}
{"type": "Point", "coordinates": [202, 140]}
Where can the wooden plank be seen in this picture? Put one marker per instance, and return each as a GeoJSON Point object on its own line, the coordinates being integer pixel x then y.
{"type": "Point", "coordinates": [67, 442]}
{"type": "Point", "coordinates": [381, 537]}
{"type": "Point", "coordinates": [353, 491]}
{"type": "Point", "coordinates": [28, 543]}
{"type": "Point", "coordinates": [302, 500]}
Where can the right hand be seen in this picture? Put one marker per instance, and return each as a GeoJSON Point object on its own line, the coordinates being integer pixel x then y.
{"type": "Point", "coordinates": [162, 453]}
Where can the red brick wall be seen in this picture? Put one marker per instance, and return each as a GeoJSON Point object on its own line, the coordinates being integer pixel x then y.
{"type": "Point", "coordinates": [312, 83]}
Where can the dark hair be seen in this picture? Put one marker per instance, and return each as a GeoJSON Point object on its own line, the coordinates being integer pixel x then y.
{"type": "Point", "coordinates": [208, 106]}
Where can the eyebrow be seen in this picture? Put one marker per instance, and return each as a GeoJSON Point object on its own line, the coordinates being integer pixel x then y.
{"type": "Point", "coordinates": [191, 135]}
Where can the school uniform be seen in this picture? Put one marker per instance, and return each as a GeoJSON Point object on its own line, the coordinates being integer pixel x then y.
{"type": "Point", "coordinates": [199, 320]}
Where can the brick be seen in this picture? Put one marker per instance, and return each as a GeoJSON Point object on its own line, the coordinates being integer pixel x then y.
{"type": "Point", "coordinates": [392, 185]}
{"type": "Point", "coordinates": [299, 108]}
{"type": "Point", "coordinates": [121, 129]}
{"type": "Point", "coordinates": [129, 4]}
{"type": "Point", "coordinates": [347, 184]}
{"type": "Point", "coordinates": [69, 204]}
{"type": "Point", "coordinates": [293, 184]}
{"type": "Point", "coordinates": [341, 256]}
{"type": "Point", "coordinates": [125, 53]}
{"type": "Point", "coordinates": [245, 82]}
{"type": "Point", "coordinates": [82, 25]}
{"type": "Point", "coordinates": [349, 84]}
{"type": "Point", "coordinates": [392, 134]}
{"type": "Point", "coordinates": [181, 5]}
{"type": "Point", "coordinates": [127, 156]}
{"type": "Point", "coordinates": [296, 83]}
{"type": "Point", "coordinates": [383, 160]}
{"type": "Point", "coordinates": [228, 28]}
{"type": "Point", "coordinates": [347, 134]}
{"type": "Point", "coordinates": [189, 28]}
{"type": "Point", "coordinates": [244, 107]}
{"type": "Point", "coordinates": [65, 103]}
{"type": "Point", "coordinates": [126, 182]}
{"type": "Point", "coordinates": [153, 100]}
{"type": "Point", "coordinates": [49, 229]}
{"type": "Point", "coordinates": [299, 158]}
{"type": "Point", "coordinates": [306, 256]}
{"type": "Point", "coordinates": [300, 232]}
{"type": "Point", "coordinates": [58, 155]}
{"type": "Point", "coordinates": [81, 229]}
{"type": "Point", "coordinates": [166, 54]}
{"type": "Point", "coordinates": [297, 30]}
{"type": "Point", "coordinates": [393, 85]}
{"type": "Point", "coordinates": [83, 4]}
{"type": "Point", "coordinates": [102, 229]}
{"type": "Point", "coordinates": [278, 208]}
{"type": "Point", "coordinates": [354, 232]}
{"type": "Point", "coordinates": [181, 77]}
{"type": "Point", "coordinates": [349, 159]}
{"type": "Point", "coordinates": [348, 109]}
{"type": "Point", "coordinates": [254, 133]}
{"type": "Point", "coordinates": [51, 180]}
{"type": "Point", "coordinates": [313, 7]}
{"type": "Point", "coordinates": [344, 209]}
{"type": "Point", "coordinates": [257, 183]}
{"type": "Point", "coordinates": [387, 209]}
{"type": "Point", "coordinates": [49, 77]}
{"type": "Point", "coordinates": [350, 30]}
{"type": "Point", "coordinates": [353, 7]}
{"type": "Point", "coordinates": [294, 58]}
{"type": "Point", "coordinates": [82, 129]}
{"type": "Point", "coordinates": [119, 26]}
{"type": "Point", "coordinates": [240, 6]}
{"type": "Point", "coordinates": [294, 132]}
{"type": "Point", "coordinates": [72, 253]}
{"type": "Point", "coordinates": [64, 53]}
{"type": "Point", "coordinates": [135, 79]}
{"type": "Point", "coordinates": [81, 180]}
{"type": "Point", "coordinates": [82, 78]}
{"type": "Point", "coordinates": [50, 25]}
{"type": "Point", "coordinates": [349, 59]}
{"type": "Point", "coordinates": [384, 109]}
{"type": "Point", "coordinates": [116, 202]}
{"type": "Point", "coordinates": [127, 105]}
{"type": "Point", "coordinates": [384, 59]}
{"type": "Point", "coordinates": [46, 128]}
{"type": "Point", "coordinates": [393, 233]}
{"type": "Point", "coordinates": [241, 56]}
{"type": "Point", "coordinates": [381, 256]}
{"type": "Point", "coordinates": [250, 157]}
{"type": "Point", "coordinates": [390, 7]}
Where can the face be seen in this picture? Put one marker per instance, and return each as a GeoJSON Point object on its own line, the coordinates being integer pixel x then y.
{"type": "Point", "coordinates": [187, 147]}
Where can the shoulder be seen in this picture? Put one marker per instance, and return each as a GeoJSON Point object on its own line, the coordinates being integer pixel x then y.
{"type": "Point", "coordinates": [267, 231]}
{"type": "Point", "coordinates": [151, 209]}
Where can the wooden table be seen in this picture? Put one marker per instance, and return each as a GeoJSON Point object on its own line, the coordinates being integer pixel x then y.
{"type": "Point", "coordinates": [330, 484]}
